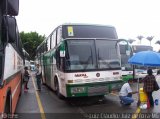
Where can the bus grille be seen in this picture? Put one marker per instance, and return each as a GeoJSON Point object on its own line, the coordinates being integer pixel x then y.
{"type": "Point", "coordinates": [98, 90]}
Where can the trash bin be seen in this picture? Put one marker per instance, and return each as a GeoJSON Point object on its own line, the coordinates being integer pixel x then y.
{"type": "Point", "coordinates": [142, 95]}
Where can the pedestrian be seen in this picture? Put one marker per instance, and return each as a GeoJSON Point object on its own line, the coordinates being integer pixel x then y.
{"type": "Point", "coordinates": [126, 92]}
{"type": "Point", "coordinates": [38, 77]}
{"type": "Point", "coordinates": [158, 74]}
{"type": "Point", "coordinates": [148, 86]}
{"type": "Point", "coordinates": [26, 78]}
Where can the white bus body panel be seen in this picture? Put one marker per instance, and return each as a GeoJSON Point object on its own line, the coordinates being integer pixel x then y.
{"type": "Point", "coordinates": [86, 77]}
{"type": "Point", "coordinates": [13, 62]}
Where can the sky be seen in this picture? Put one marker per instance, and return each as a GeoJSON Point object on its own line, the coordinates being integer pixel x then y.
{"type": "Point", "coordinates": [130, 17]}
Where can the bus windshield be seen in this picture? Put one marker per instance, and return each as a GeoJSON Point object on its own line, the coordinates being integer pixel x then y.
{"type": "Point", "coordinates": [139, 48]}
{"type": "Point", "coordinates": [91, 54]}
{"type": "Point", "coordinates": [124, 62]}
{"type": "Point", "coordinates": [107, 54]}
{"type": "Point", "coordinates": [124, 58]}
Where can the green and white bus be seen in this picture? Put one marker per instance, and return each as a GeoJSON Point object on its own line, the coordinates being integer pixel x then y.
{"type": "Point", "coordinates": [127, 69]}
{"type": "Point", "coordinates": [81, 60]}
{"type": "Point", "coordinates": [141, 71]}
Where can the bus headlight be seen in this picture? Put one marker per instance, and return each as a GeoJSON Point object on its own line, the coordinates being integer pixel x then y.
{"type": "Point", "coordinates": [77, 90]}
{"type": "Point", "coordinates": [70, 81]}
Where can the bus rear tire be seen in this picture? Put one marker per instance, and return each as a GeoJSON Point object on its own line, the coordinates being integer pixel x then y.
{"type": "Point", "coordinates": [8, 104]}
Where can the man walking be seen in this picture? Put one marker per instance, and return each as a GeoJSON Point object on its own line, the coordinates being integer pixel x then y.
{"type": "Point", "coordinates": [38, 77]}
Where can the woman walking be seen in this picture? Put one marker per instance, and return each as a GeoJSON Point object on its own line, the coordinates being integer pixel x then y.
{"type": "Point", "coordinates": [26, 78]}
{"type": "Point", "coordinates": [148, 87]}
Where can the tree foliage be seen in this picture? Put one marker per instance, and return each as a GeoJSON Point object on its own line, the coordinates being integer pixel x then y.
{"type": "Point", "coordinates": [131, 41]}
{"type": "Point", "coordinates": [158, 42]}
{"type": "Point", "coordinates": [150, 38]}
{"type": "Point", "coordinates": [140, 37]}
{"type": "Point", "coordinates": [30, 42]}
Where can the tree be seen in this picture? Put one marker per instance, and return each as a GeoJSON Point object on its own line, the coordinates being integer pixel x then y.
{"type": "Point", "coordinates": [150, 38]}
{"type": "Point", "coordinates": [158, 42]}
{"type": "Point", "coordinates": [30, 42]}
{"type": "Point", "coordinates": [131, 41]}
{"type": "Point", "coordinates": [140, 37]}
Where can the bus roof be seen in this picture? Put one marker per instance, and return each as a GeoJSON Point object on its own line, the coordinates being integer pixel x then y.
{"type": "Point", "coordinates": [78, 30]}
{"type": "Point", "coordinates": [138, 48]}
{"type": "Point", "coordinates": [88, 31]}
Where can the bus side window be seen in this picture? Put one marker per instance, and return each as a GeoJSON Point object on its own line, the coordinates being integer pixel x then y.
{"type": "Point", "coordinates": [45, 46]}
{"type": "Point", "coordinates": [62, 63]}
{"type": "Point", "coordinates": [48, 43]}
{"type": "Point", "coordinates": [53, 40]}
{"type": "Point", "coordinates": [58, 58]}
{"type": "Point", "coordinates": [59, 35]}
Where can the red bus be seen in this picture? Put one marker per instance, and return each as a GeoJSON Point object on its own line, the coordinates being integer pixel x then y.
{"type": "Point", "coordinates": [11, 57]}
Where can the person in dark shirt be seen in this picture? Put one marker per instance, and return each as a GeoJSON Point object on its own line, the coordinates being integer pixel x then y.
{"type": "Point", "coordinates": [149, 86]}
{"type": "Point", "coordinates": [26, 78]}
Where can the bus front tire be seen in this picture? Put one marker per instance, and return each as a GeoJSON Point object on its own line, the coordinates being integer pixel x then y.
{"type": "Point", "coordinates": [57, 90]}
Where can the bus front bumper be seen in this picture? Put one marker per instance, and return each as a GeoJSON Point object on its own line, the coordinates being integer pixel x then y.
{"type": "Point", "coordinates": [92, 89]}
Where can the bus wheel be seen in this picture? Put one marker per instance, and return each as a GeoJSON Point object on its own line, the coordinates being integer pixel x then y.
{"type": "Point", "coordinates": [57, 89]}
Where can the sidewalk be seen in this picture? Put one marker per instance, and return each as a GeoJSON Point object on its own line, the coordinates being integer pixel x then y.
{"type": "Point", "coordinates": [27, 106]}
{"type": "Point", "coordinates": [156, 108]}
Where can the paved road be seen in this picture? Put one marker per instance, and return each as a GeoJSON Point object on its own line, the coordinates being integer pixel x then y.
{"type": "Point", "coordinates": [46, 105]}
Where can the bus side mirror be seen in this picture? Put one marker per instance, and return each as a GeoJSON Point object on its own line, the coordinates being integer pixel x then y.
{"type": "Point", "coordinates": [62, 50]}
{"type": "Point", "coordinates": [11, 7]}
{"type": "Point", "coordinates": [12, 29]}
{"type": "Point", "coordinates": [62, 53]}
{"type": "Point", "coordinates": [123, 68]}
{"type": "Point", "coordinates": [128, 52]}
{"type": "Point", "coordinates": [9, 29]}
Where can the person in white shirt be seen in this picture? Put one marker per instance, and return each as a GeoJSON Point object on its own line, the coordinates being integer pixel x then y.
{"type": "Point", "coordinates": [38, 77]}
{"type": "Point", "coordinates": [158, 77]}
{"type": "Point", "coordinates": [126, 92]}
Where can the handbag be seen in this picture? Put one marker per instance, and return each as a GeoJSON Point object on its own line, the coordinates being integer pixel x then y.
{"type": "Point", "coordinates": [156, 86]}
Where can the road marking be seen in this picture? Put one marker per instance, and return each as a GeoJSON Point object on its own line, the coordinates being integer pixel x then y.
{"type": "Point", "coordinates": [135, 115]}
{"type": "Point", "coordinates": [82, 112]}
{"type": "Point", "coordinates": [39, 102]}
